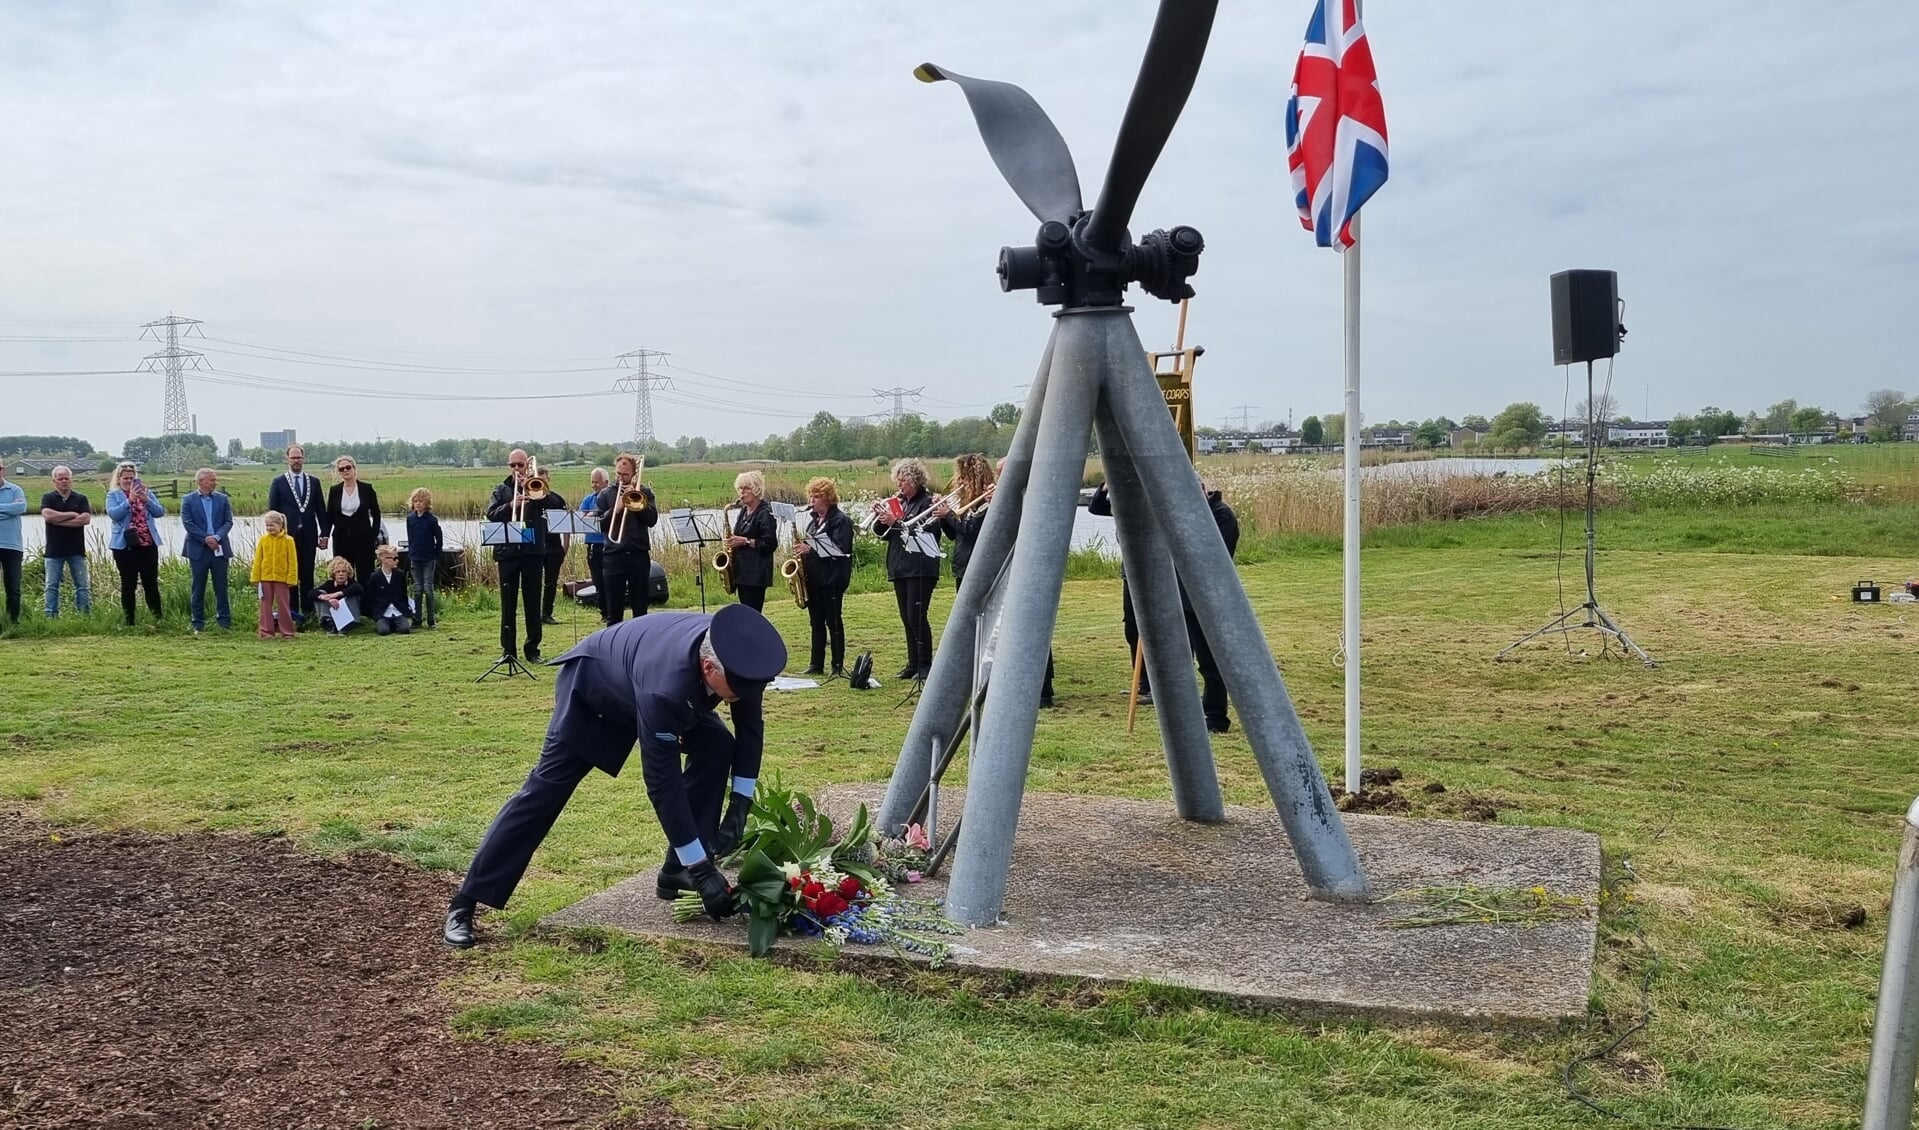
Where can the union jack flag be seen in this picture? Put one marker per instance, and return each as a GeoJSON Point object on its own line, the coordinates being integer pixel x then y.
{"type": "Point", "coordinates": [1335, 125]}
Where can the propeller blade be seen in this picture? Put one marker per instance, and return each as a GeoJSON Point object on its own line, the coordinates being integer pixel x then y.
{"type": "Point", "coordinates": [1023, 141]}
{"type": "Point", "coordinates": [1165, 79]}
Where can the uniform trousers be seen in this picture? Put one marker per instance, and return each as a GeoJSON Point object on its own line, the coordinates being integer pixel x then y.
{"type": "Point", "coordinates": [529, 814]}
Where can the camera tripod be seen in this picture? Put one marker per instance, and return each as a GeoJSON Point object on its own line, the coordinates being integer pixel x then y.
{"type": "Point", "coordinates": [1594, 617]}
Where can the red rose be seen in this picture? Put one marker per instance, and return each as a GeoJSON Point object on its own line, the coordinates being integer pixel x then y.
{"type": "Point", "coordinates": [794, 882]}
{"type": "Point", "coordinates": [849, 887]}
{"type": "Point", "coordinates": [812, 890]}
{"type": "Point", "coordinates": [829, 904]}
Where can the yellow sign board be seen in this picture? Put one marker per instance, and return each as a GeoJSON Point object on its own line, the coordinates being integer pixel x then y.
{"type": "Point", "coordinates": [1176, 386]}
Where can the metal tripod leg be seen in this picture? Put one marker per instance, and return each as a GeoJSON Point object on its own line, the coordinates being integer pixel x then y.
{"type": "Point", "coordinates": [943, 701]}
{"type": "Point", "coordinates": [1596, 620]}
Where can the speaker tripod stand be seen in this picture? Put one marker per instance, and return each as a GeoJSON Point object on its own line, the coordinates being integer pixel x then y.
{"type": "Point", "coordinates": [1590, 615]}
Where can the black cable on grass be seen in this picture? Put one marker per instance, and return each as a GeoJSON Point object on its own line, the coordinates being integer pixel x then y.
{"type": "Point", "coordinates": [1626, 875]}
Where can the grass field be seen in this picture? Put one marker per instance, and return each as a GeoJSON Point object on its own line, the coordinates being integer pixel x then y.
{"type": "Point", "coordinates": [1754, 781]}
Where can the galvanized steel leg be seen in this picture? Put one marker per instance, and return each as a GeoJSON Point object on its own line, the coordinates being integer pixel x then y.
{"type": "Point", "coordinates": [1325, 853]}
{"type": "Point", "coordinates": [1895, 1029]}
{"type": "Point", "coordinates": [943, 702]}
{"type": "Point", "coordinates": [1162, 629]}
{"type": "Point", "coordinates": [1002, 749]}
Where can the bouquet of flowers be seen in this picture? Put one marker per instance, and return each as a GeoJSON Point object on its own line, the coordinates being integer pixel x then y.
{"type": "Point", "coordinates": [797, 876]}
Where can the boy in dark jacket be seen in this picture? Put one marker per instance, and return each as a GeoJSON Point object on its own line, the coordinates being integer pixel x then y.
{"type": "Point", "coordinates": [383, 599]}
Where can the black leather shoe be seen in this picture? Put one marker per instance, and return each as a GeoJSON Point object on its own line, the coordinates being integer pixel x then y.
{"type": "Point", "coordinates": [532, 655]}
{"type": "Point", "coordinates": [550, 619]}
{"type": "Point", "coordinates": [672, 881]}
{"type": "Point", "coordinates": [1046, 701]}
{"type": "Point", "coordinates": [459, 928]}
{"type": "Point", "coordinates": [839, 672]}
{"type": "Point", "coordinates": [816, 669]}
{"type": "Point", "coordinates": [907, 672]}
{"type": "Point", "coordinates": [1146, 698]}
{"type": "Point", "coordinates": [1219, 724]}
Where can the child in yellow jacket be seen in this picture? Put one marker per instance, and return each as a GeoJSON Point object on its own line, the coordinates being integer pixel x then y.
{"type": "Point", "coordinates": [276, 569]}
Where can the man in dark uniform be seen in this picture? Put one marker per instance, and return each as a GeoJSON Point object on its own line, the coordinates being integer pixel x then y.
{"type": "Point", "coordinates": [627, 563]}
{"type": "Point", "coordinates": [655, 680]}
{"type": "Point", "coordinates": [302, 499]}
{"type": "Point", "coordinates": [520, 563]}
{"type": "Point", "coordinates": [1213, 688]}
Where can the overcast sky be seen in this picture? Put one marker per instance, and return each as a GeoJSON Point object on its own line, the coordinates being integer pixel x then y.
{"type": "Point", "coordinates": [764, 192]}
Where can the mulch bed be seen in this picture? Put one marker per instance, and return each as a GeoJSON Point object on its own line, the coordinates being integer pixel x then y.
{"type": "Point", "coordinates": [233, 981]}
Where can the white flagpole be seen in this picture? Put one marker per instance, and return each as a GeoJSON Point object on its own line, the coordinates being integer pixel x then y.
{"type": "Point", "coordinates": [1351, 632]}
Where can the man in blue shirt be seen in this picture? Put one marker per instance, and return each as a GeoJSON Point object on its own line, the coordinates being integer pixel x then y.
{"type": "Point", "coordinates": [595, 540]}
{"type": "Point", "coordinates": [13, 542]}
{"type": "Point", "coordinates": [655, 680]}
{"type": "Point", "coordinates": [208, 517]}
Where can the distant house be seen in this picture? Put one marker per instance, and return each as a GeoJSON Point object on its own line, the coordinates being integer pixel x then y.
{"type": "Point", "coordinates": [1466, 437]}
{"type": "Point", "coordinates": [43, 465]}
{"type": "Point", "coordinates": [1272, 442]}
{"type": "Point", "coordinates": [1386, 437]}
{"type": "Point", "coordinates": [1644, 433]}
{"type": "Point", "coordinates": [1911, 429]}
{"type": "Point", "coordinates": [1566, 431]}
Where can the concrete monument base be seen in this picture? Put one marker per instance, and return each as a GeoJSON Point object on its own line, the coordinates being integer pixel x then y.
{"type": "Point", "coordinates": [1124, 890]}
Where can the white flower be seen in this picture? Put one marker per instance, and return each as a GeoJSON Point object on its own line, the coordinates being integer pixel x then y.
{"type": "Point", "coordinates": [790, 870]}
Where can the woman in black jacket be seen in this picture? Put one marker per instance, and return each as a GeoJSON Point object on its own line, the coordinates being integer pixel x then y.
{"type": "Point", "coordinates": [353, 517]}
{"type": "Point", "coordinates": [826, 577]}
{"type": "Point", "coordinates": [973, 478]}
{"type": "Point", "coordinates": [912, 571]}
{"type": "Point", "coordinates": [756, 534]}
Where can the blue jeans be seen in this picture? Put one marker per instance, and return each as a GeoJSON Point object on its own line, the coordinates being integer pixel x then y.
{"type": "Point", "coordinates": [203, 565]}
{"type": "Point", "coordinates": [82, 591]}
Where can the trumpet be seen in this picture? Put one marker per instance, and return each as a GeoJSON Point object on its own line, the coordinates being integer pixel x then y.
{"type": "Point", "coordinates": [795, 570]}
{"type": "Point", "coordinates": [870, 523]}
{"type": "Point", "coordinates": [632, 501]}
{"type": "Point", "coordinates": [954, 509]}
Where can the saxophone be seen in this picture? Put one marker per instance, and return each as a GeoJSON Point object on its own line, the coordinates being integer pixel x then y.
{"type": "Point", "coordinates": [795, 570]}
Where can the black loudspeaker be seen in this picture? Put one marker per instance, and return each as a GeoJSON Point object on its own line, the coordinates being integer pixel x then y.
{"type": "Point", "coordinates": [1585, 316]}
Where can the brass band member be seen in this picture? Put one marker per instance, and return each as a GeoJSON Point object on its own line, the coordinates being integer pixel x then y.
{"type": "Point", "coordinates": [912, 572]}
{"type": "Point", "coordinates": [520, 563]}
{"type": "Point", "coordinates": [826, 577]}
{"type": "Point", "coordinates": [756, 534]}
{"type": "Point", "coordinates": [627, 563]}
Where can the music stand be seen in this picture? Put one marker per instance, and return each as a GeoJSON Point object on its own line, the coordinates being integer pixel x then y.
{"type": "Point", "coordinates": [504, 533]}
{"type": "Point", "coordinates": [694, 529]}
{"type": "Point", "coordinates": [578, 523]}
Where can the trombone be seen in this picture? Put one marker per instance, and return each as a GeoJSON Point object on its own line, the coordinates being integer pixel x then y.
{"type": "Point", "coordinates": [795, 568]}
{"type": "Point", "coordinates": [632, 501]}
{"type": "Point", "coordinates": [532, 489]}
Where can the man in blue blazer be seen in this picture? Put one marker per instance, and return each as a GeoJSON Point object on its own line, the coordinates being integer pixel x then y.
{"type": "Point", "coordinates": [655, 680]}
{"type": "Point", "coordinates": [208, 517]}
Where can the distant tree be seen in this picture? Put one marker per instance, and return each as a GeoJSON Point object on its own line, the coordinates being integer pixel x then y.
{"type": "Point", "coordinates": [1518, 425]}
{"type": "Point", "coordinates": [1601, 408]}
{"type": "Point", "coordinates": [51, 446]}
{"type": "Point", "coordinates": [1887, 406]}
{"type": "Point", "coordinates": [1312, 433]}
{"type": "Point", "coordinates": [234, 448]}
{"type": "Point", "coordinates": [1717, 423]}
{"type": "Point", "coordinates": [1335, 425]}
{"type": "Point", "coordinates": [696, 449]}
{"type": "Point", "coordinates": [1778, 418]}
{"type": "Point", "coordinates": [1004, 415]}
{"type": "Point", "coordinates": [1681, 426]}
{"type": "Point", "coordinates": [1477, 423]}
{"type": "Point", "coordinates": [1432, 433]}
{"type": "Point", "coordinates": [1807, 419]}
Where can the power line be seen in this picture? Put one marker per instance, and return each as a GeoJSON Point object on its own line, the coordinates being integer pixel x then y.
{"type": "Point", "coordinates": [236, 379]}
{"type": "Point", "coordinates": [335, 361]}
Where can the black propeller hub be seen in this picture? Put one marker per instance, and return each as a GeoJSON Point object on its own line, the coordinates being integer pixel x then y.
{"type": "Point", "coordinates": [1064, 270]}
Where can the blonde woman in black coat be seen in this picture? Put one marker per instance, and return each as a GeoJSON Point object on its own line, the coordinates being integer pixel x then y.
{"type": "Point", "coordinates": [756, 534]}
{"type": "Point", "coordinates": [353, 517]}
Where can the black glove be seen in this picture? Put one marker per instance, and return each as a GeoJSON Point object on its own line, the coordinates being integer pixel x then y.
{"type": "Point", "coordinates": [733, 827]}
{"type": "Point", "coordinates": [715, 894]}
